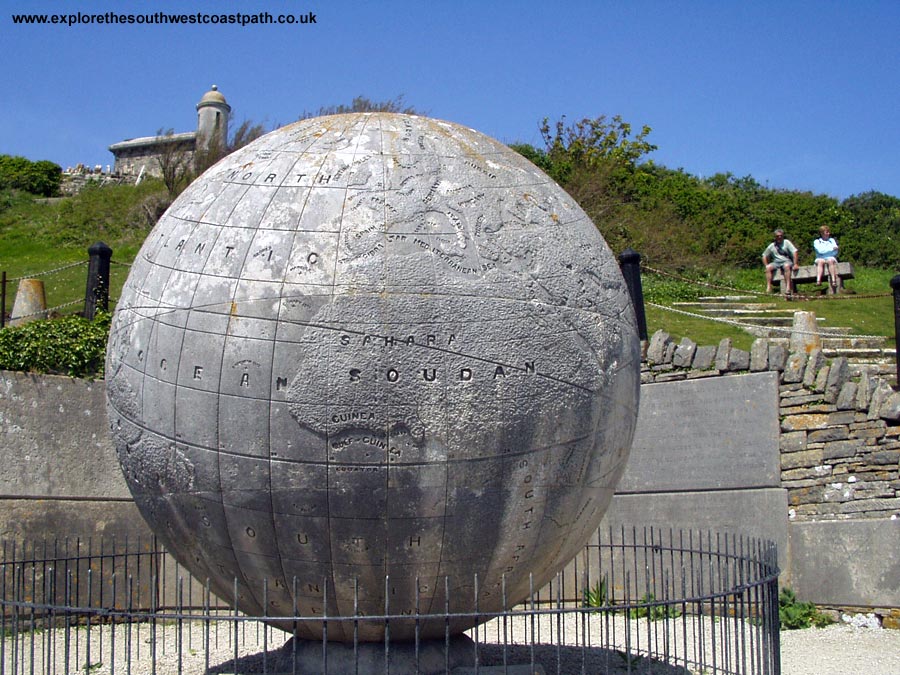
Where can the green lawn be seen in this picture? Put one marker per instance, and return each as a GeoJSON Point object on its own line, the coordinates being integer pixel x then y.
{"type": "Point", "coordinates": [866, 307]}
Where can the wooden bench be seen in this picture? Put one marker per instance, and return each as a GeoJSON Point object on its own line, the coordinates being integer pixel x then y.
{"type": "Point", "coordinates": [806, 274]}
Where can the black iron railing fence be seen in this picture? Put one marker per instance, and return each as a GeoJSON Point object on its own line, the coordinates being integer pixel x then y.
{"type": "Point", "coordinates": [638, 600]}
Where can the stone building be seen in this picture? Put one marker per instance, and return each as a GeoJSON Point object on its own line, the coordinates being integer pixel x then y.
{"type": "Point", "coordinates": [137, 155]}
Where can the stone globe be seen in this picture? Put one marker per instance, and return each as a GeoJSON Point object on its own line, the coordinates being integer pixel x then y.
{"type": "Point", "coordinates": [369, 363]}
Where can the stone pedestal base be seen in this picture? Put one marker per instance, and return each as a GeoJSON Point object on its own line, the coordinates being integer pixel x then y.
{"type": "Point", "coordinates": [433, 657]}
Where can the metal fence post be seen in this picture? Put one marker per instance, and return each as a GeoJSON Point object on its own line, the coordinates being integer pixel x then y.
{"type": "Point", "coordinates": [3, 300]}
{"type": "Point", "coordinates": [97, 294]}
{"type": "Point", "coordinates": [630, 264]}
{"type": "Point", "coordinates": [895, 285]}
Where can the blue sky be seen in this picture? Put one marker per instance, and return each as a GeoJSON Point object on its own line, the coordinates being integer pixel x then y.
{"type": "Point", "coordinates": [800, 95]}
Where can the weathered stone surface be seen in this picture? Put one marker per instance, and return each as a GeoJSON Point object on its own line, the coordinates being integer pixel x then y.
{"type": "Point", "coordinates": [670, 352]}
{"type": "Point", "coordinates": [885, 457]}
{"type": "Point", "coordinates": [778, 356]}
{"type": "Point", "coordinates": [792, 441]}
{"type": "Point", "coordinates": [656, 351]}
{"type": "Point", "coordinates": [839, 450]}
{"type": "Point", "coordinates": [793, 371]}
{"type": "Point", "coordinates": [838, 373]}
{"type": "Point", "coordinates": [704, 357]}
{"type": "Point", "coordinates": [738, 359]}
{"type": "Point", "coordinates": [332, 341]}
{"type": "Point", "coordinates": [722, 354]}
{"type": "Point", "coordinates": [806, 421]}
{"type": "Point", "coordinates": [684, 353]}
{"type": "Point", "coordinates": [846, 400]}
{"type": "Point", "coordinates": [822, 379]}
{"type": "Point", "coordinates": [815, 361]}
{"type": "Point", "coordinates": [829, 434]}
{"type": "Point", "coordinates": [805, 333]}
{"type": "Point", "coordinates": [890, 409]}
{"type": "Point", "coordinates": [667, 429]}
{"type": "Point", "coordinates": [759, 355]}
{"type": "Point", "coordinates": [880, 392]}
{"type": "Point", "coordinates": [806, 458]}
{"type": "Point", "coordinates": [863, 390]}
{"type": "Point", "coordinates": [858, 568]}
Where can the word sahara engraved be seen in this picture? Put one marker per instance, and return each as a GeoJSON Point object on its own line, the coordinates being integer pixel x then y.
{"type": "Point", "coordinates": [368, 346]}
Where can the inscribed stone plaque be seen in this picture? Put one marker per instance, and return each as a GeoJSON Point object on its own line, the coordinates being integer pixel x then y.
{"type": "Point", "coordinates": [706, 434]}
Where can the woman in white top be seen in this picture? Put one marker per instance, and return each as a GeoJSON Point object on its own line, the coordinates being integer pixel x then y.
{"type": "Point", "coordinates": [826, 254]}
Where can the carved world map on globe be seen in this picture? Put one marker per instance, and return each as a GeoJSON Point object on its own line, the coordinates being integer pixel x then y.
{"type": "Point", "coordinates": [373, 345]}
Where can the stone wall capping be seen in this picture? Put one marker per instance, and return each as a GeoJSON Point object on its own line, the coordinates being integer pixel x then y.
{"type": "Point", "coordinates": [656, 351]}
{"type": "Point", "coordinates": [778, 356]}
{"type": "Point", "coordinates": [738, 360]}
{"type": "Point", "coordinates": [704, 357]}
{"type": "Point", "coordinates": [814, 363]}
{"type": "Point", "coordinates": [722, 353]}
{"type": "Point", "coordinates": [684, 353]}
{"type": "Point", "coordinates": [759, 355]}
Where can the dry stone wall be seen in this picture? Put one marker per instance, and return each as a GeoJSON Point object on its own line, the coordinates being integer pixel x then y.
{"type": "Point", "coordinates": [840, 431]}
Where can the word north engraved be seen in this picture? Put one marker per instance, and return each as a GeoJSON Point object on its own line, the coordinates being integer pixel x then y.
{"type": "Point", "coordinates": [366, 346]}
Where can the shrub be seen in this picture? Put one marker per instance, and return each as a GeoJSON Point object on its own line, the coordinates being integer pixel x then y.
{"type": "Point", "coordinates": [795, 614]}
{"type": "Point", "coordinates": [70, 345]}
{"type": "Point", "coordinates": [40, 178]}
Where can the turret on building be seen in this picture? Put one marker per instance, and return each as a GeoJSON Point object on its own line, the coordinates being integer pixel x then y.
{"type": "Point", "coordinates": [142, 155]}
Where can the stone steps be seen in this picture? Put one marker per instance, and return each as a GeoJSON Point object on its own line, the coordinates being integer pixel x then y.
{"type": "Point", "coordinates": [764, 318]}
{"type": "Point", "coordinates": [725, 305]}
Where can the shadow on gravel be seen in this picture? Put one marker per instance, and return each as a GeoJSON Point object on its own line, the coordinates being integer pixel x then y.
{"type": "Point", "coordinates": [555, 660]}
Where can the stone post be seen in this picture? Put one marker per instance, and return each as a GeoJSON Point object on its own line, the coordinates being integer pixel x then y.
{"type": "Point", "coordinates": [30, 303]}
{"type": "Point", "coordinates": [895, 285]}
{"type": "Point", "coordinates": [805, 333]}
{"type": "Point", "coordinates": [96, 295]}
{"type": "Point", "coordinates": [630, 264]}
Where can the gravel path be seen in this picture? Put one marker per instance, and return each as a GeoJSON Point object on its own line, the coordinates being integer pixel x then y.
{"type": "Point", "coordinates": [840, 649]}
{"type": "Point", "coordinates": [837, 650]}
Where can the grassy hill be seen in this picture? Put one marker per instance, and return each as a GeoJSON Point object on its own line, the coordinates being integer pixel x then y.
{"type": "Point", "coordinates": [38, 236]}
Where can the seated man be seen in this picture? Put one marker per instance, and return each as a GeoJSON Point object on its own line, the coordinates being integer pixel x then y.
{"type": "Point", "coordinates": [826, 254]}
{"type": "Point", "coordinates": [781, 253]}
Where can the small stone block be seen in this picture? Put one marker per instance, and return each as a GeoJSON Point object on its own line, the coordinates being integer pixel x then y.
{"type": "Point", "coordinates": [822, 379]}
{"type": "Point", "coordinates": [738, 359]}
{"type": "Point", "coordinates": [656, 352]}
{"type": "Point", "coordinates": [759, 355]}
{"type": "Point", "coordinates": [846, 400]}
{"type": "Point", "coordinates": [793, 370]}
{"type": "Point", "coordinates": [670, 352]}
{"type": "Point", "coordinates": [829, 434]}
{"type": "Point", "coordinates": [877, 397]}
{"type": "Point", "coordinates": [722, 353]}
{"type": "Point", "coordinates": [890, 409]}
{"type": "Point", "coordinates": [793, 441]}
{"type": "Point", "coordinates": [684, 353]}
{"type": "Point", "coordinates": [704, 357]}
{"type": "Point", "coordinates": [838, 374]}
{"type": "Point", "coordinates": [815, 361]}
{"type": "Point", "coordinates": [778, 357]}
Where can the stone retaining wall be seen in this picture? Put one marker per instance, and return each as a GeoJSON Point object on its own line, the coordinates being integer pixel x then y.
{"type": "Point", "coordinates": [840, 433]}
